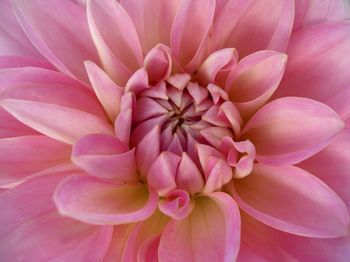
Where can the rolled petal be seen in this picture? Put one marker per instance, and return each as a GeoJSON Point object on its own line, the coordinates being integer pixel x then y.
{"type": "Point", "coordinates": [193, 16]}
{"type": "Point", "coordinates": [158, 63]}
{"type": "Point", "coordinates": [106, 90]}
{"type": "Point", "coordinates": [276, 132]}
{"type": "Point", "coordinates": [27, 155]}
{"type": "Point", "coordinates": [146, 154]}
{"type": "Point", "coordinates": [253, 81]}
{"type": "Point", "coordinates": [13, 41]}
{"type": "Point", "coordinates": [210, 233]}
{"type": "Point", "coordinates": [115, 38]}
{"type": "Point", "coordinates": [313, 12]}
{"type": "Point", "coordinates": [105, 156]}
{"type": "Point", "coordinates": [95, 201]}
{"type": "Point", "coordinates": [178, 204]}
{"type": "Point", "coordinates": [161, 175]}
{"type": "Point", "coordinates": [154, 16]}
{"type": "Point", "coordinates": [318, 72]}
{"type": "Point", "coordinates": [270, 20]}
{"type": "Point", "coordinates": [36, 231]}
{"type": "Point", "coordinates": [59, 122]}
{"type": "Point", "coordinates": [52, 28]}
{"type": "Point", "coordinates": [314, 210]}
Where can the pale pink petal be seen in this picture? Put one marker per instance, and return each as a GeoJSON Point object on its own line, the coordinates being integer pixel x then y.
{"type": "Point", "coordinates": [313, 12]}
{"type": "Point", "coordinates": [123, 121]}
{"type": "Point", "coordinates": [263, 243]}
{"type": "Point", "coordinates": [19, 61]}
{"type": "Point", "coordinates": [13, 41]}
{"type": "Point", "coordinates": [276, 132]}
{"type": "Point", "coordinates": [115, 38]}
{"type": "Point", "coordinates": [271, 22]}
{"type": "Point", "coordinates": [59, 122]}
{"type": "Point", "coordinates": [105, 156]}
{"type": "Point", "coordinates": [188, 176]}
{"type": "Point", "coordinates": [106, 90]}
{"type": "Point", "coordinates": [153, 20]}
{"type": "Point", "coordinates": [253, 81]}
{"type": "Point", "coordinates": [188, 48]}
{"type": "Point", "coordinates": [100, 202]}
{"type": "Point", "coordinates": [317, 72]}
{"type": "Point", "coordinates": [177, 205]}
{"type": "Point", "coordinates": [34, 231]}
{"type": "Point", "coordinates": [158, 63]}
{"type": "Point", "coordinates": [52, 28]}
{"type": "Point", "coordinates": [217, 173]}
{"type": "Point", "coordinates": [210, 233]}
{"type": "Point", "coordinates": [146, 154]}
{"type": "Point", "coordinates": [26, 155]}
{"type": "Point", "coordinates": [161, 174]}
{"type": "Point", "coordinates": [314, 210]}
{"type": "Point", "coordinates": [332, 165]}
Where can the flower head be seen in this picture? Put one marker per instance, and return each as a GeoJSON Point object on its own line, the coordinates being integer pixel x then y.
{"type": "Point", "coordinates": [184, 130]}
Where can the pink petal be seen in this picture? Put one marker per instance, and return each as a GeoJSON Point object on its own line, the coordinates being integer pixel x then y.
{"type": "Point", "coordinates": [256, 77]}
{"type": "Point", "coordinates": [115, 38]}
{"type": "Point", "coordinates": [148, 252]}
{"type": "Point", "coordinates": [210, 233]}
{"type": "Point", "coordinates": [314, 210]}
{"type": "Point", "coordinates": [13, 41]}
{"type": "Point", "coordinates": [313, 12]}
{"type": "Point", "coordinates": [59, 122]}
{"type": "Point", "coordinates": [95, 201]}
{"type": "Point", "coordinates": [154, 16]}
{"type": "Point", "coordinates": [105, 156]}
{"type": "Point", "coordinates": [332, 165]}
{"type": "Point", "coordinates": [318, 72]}
{"type": "Point", "coordinates": [177, 205]}
{"type": "Point", "coordinates": [161, 174]}
{"type": "Point", "coordinates": [270, 20]}
{"type": "Point", "coordinates": [193, 16]}
{"type": "Point", "coordinates": [19, 61]}
{"type": "Point", "coordinates": [275, 130]}
{"type": "Point", "coordinates": [137, 82]}
{"type": "Point", "coordinates": [34, 231]}
{"type": "Point", "coordinates": [106, 90]}
{"type": "Point", "coordinates": [146, 154]}
{"type": "Point", "coordinates": [26, 155]}
{"type": "Point", "coordinates": [188, 177]}
{"type": "Point", "coordinates": [52, 28]}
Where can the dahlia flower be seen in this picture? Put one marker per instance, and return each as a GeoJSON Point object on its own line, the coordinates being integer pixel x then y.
{"type": "Point", "coordinates": [174, 130]}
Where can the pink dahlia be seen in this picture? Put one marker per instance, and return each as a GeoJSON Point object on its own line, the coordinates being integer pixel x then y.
{"type": "Point", "coordinates": [174, 130]}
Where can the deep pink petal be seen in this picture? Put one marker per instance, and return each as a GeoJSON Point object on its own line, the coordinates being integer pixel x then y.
{"type": "Point", "coordinates": [27, 155]}
{"type": "Point", "coordinates": [100, 202]}
{"type": "Point", "coordinates": [105, 156]}
{"type": "Point", "coordinates": [253, 81]}
{"type": "Point", "coordinates": [193, 16]}
{"type": "Point", "coordinates": [210, 233]}
{"type": "Point", "coordinates": [314, 210]}
{"type": "Point", "coordinates": [59, 122]}
{"type": "Point", "coordinates": [52, 28]}
{"type": "Point", "coordinates": [276, 132]}
{"type": "Point", "coordinates": [34, 231]}
{"type": "Point", "coordinates": [317, 72]}
{"type": "Point", "coordinates": [115, 38]}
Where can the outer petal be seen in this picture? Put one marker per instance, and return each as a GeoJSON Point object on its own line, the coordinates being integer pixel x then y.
{"type": "Point", "coordinates": [26, 155]}
{"type": "Point", "coordinates": [289, 130]}
{"type": "Point", "coordinates": [193, 16]}
{"type": "Point", "coordinates": [95, 201]}
{"type": "Point", "coordinates": [332, 165]}
{"type": "Point", "coordinates": [20, 61]}
{"type": "Point", "coordinates": [68, 125]}
{"type": "Point", "coordinates": [34, 231]}
{"type": "Point", "coordinates": [115, 38]}
{"type": "Point", "coordinates": [105, 156]}
{"type": "Point", "coordinates": [314, 210]}
{"type": "Point", "coordinates": [253, 81]}
{"type": "Point", "coordinates": [312, 12]}
{"type": "Point", "coordinates": [13, 41]}
{"type": "Point", "coordinates": [153, 20]}
{"type": "Point", "coordinates": [319, 71]}
{"type": "Point", "coordinates": [210, 233]}
{"type": "Point", "coordinates": [253, 25]}
{"type": "Point", "coordinates": [52, 28]}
